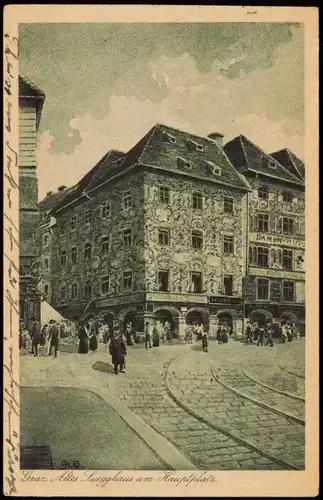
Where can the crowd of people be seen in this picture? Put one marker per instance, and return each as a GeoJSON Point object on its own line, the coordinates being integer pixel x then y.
{"type": "Point", "coordinates": [263, 334]}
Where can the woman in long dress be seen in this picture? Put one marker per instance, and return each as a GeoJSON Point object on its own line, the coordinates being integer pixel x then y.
{"type": "Point", "coordinates": [93, 338]}
{"type": "Point", "coordinates": [83, 340]}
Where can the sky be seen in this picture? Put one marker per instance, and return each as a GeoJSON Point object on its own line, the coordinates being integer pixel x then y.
{"type": "Point", "coordinates": [107, 84]}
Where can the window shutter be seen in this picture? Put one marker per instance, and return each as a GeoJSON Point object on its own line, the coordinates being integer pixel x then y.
{"type": "Point", "coordinates": [280, 198]}
{"type": "Point", "coordinates": [255, 193]}
{"type": "Point", "coordinates": [271, 196]}
{"type": "Point", "coordinates": [279, 225]}
{"type": "Point", "coordinates": [279, 256]}
{"type": "Point", "coordinates": [272, 221]}
{"type": "Point", "coordinates": [272, 257]}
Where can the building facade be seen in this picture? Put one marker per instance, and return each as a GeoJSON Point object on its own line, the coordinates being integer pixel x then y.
{"type": "Point", "coordinates": [155, 233]}
{"type": "Point", "coordinates": [31, 101]}
{"type": "Point", "coordinates": [275, 282]}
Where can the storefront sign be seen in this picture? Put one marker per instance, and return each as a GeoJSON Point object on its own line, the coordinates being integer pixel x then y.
{"type": "Point", "coordinates": [276, 273]}
{"type": "Point", "coordinates": [122, 299]}
{"type": "Point", "coordinates": [174, 297]}
{"type": "Point", "coordinates": [276, 240]}
{"type": "Point", "coordinates": [225, 300]}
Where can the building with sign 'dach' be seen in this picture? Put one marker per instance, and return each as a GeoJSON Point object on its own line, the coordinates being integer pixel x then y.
{"type": "Point", "coordinates": [31, 100]}
{"type": "Point", "coordinates": [275, 284]}
{"type": "Point", "coordinates": [158, 232]}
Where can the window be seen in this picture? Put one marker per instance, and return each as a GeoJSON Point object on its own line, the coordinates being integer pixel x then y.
{"type": "Point", "coordinates": [62, 227]}
{"type": "Point", "coordinates": [127, 237]}
{"type": "Point", "coordinates": [105, 209]}
{"type": "Point", "coordinates": [63, 258]}
{"type": "Point", "coordinates": [262, 256]}
{"type": "Point", "coordinates": [74, 255]}
{"type": "Point", "coordinates": [196, 282]}
{"type": "Point", "coordinates": [87, 217]}
{"type": "Point", "coordinates": [214, 169]}
{"type": "Point", "coordinates": [163, 194]}
{"type": "Point", "coordinates": [46, 289]}
{"type": "Point", "coordinates": [73, 223]}
{"type": "Point", "coordinates": [263, 223]}
{"type": "Point", "coordinates": [287, 259]}
{"type": "Point", "coordinates": [46, 264]}
{"type": "Point", "coordinates": [194, 146]}
{"type": "Point", "coordinates": [46, 240]}
{"type": "Point", "coordinates": [181, 163]}
{"type": "Point", "coordinates": [169, 138]}
{"type": "Point", "coordinates": [262, 289]}
{"type": "Point", "coordinates": [197, 239]}
{"type": "Point", "coordinates": [127, 201]}
{"type": "Point", "coordinates": [163, 281]}
{"type": "Point", "coordinates": [263, 192]}
{"type": "Point", "coordinates": [63, 293]}
{"type": "Point", "coordinates": [105, 284]}
{"type": "Point", "coordinates": [228, 285]}
{"type": "Point", "coordinates": [105, 244]}
{"type": "Point", "coordinates": [288, 291]}
{"type": "Point", "coordinates": [87, 251]}
{"type": "Point", "coordinates": [228, 205]}
{"type": "Point", "coordinates": [74, 291]}
{"type": "Point", "coordinates": [127, 280]}
{"type": "Point", "coordinates": [88, 289]}
{"type": "Point", "coordinates": [197, 201]}
{"type": "Point", "coordinates": [288, 196]}
{"type": "Point", "coordinates": [163, 237]}
{"type": "Point", "coordinates": [228, 244]}
{"type": "Point", "coordinates": [288, 225]}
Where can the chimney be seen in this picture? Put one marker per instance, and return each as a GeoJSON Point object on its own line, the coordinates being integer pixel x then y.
{"type": "Point", "coordinates": [217, 138]}
{"type": "Point", "coordinates": [61, 188]}
{"type": "Point", "coordinates": [49, 193]}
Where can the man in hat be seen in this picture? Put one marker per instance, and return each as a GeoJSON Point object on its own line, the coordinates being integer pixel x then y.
{"type": "Point", "coordinates": [53, 338]}
{"type": "Point", "coordinates": [35, 336]}
{"type": "Point", "coordinates": [118, 351]}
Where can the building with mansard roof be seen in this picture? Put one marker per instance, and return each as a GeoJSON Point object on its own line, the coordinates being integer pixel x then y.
{"type": "Point", "coordinates": [157, 232]}
{"type": "Point", "coordinates": [275, 284]}
{"type": "Point", "coordinates": [31, 100]}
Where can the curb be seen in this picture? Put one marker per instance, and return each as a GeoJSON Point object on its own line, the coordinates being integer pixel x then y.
{"type": "Point", "coordinates": [219, 428]}
{"type": "Point", "coordinates": [255, 401]}
{"type": "Point", "coordinates": [273, 388]}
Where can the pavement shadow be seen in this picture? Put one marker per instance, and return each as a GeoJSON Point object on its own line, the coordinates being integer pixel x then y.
{"type": "Point", "coordinates": [100, 366]}
{"type": "Point", "coordinates": [196, 347]}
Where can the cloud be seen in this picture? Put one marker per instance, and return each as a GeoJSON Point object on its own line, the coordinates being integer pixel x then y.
{"type": "Point", "coordinates": [264, 103]}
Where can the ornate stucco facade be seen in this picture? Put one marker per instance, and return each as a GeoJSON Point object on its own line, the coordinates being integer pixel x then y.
{"type": "Point", "coordinates": [275, 284]}
{"type": "Point", "coordinates": [144, 235]}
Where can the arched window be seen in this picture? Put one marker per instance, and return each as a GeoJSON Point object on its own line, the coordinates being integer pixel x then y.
{"type": "Point", "coordinates": [263, 192]}
{"type": "Point", "coordinates": [87, 251]}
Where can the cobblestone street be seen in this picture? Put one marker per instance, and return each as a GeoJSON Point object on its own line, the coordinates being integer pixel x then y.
{"type": "Point", "coordinates": [236, 407]}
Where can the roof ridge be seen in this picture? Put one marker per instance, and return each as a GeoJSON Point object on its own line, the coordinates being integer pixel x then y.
{"type": "Point", "coordinates": [241, 137]}
{"type": "Point", "coordinates": [31, 84]}
{"type": "Point", "coordinates": [270, 157]}
{"type": "Point", "coordinates": [152, 131]}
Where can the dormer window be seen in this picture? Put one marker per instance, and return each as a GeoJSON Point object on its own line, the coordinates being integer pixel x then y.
{"type": "Point", "coordinates": [182, 163]}
{"type": "Point", "coordinates": [169, 138]}
{"type": "Point", "coordinates": [194, 146]}
{"type": "Point", "coordinates": [118, 163]}
{"type": "Point", "coordinates": [214, 169]}
{"type": "Point", "coordinates": [267, 162]}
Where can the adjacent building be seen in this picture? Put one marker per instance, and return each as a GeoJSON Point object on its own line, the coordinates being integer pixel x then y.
{"type": "Point", "coordinates": [31, 100]}
{"type": "Point", "coordinates": [158, 232]}
{"type": "Point", "coordinates": [275, 280]}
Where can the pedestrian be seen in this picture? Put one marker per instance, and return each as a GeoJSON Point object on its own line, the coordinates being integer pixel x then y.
{"type": "Point", "coordinates": [205, 342]}
{"type": "Point", "coordinates": [199, 331]}
{"type": "Point", "coordinates": [93, 345]}
{"type": "Point", "coordinates": [261, 336]}
{"type": "Point", "coordinates": [289, 333]}
{"type": "Point", "coordinates": [118, 351]}
{"type": "Point", "coordinates": [53, 338]}
{"type": "Point", "coordinates": [284, 335]}
{"type": "Point", "coordinates": [269, 336]}
{"type": "Point", "coordinates": [188, 334]}
{"type": "Point", "coordinates": [129, 334]}
{"type": "Point", "coordinates": [21, 334]}
{"type": "Point", "coordinates": [219, 334]}
{"type": "Point", "coordinates": [83, 347]}
{"type": "Point", "coordinates": [225, 335]}
{"type": "Point", "coordinates": [148, 335]}
{"type": "Point", "coordinates": [43, 335]}
{"type": "Point", "coordinates": [35, 336]}
{"type": "Point", "coordinates": [248, 334]}
{"type": "Point", "coordinates": [155, 336]}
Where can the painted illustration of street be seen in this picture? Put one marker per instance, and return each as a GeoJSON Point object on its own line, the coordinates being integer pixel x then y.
{"type": "Point", "coordinates": [162, 246]}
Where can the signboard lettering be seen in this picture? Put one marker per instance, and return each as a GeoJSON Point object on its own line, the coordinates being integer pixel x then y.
{"type": "Point", "coordinates": [276, 273]}
{"type": "Point", "coordinates": [173, 297]}
{"type": "Point", "coordinates": [277, 240]}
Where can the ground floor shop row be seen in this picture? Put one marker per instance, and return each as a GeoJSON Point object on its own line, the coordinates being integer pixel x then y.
{"type": "Point", "coordinates": [178, 315]}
